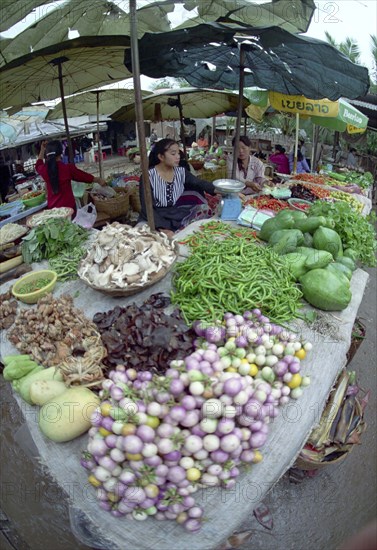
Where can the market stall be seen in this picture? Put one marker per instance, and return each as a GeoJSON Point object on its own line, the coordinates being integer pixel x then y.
{"type": "Point", "coordinates": [97, 528]}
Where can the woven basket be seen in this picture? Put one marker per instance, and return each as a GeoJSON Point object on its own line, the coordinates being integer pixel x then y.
{"type": "Point", "coordinates": [134, 289]}
{"type": "Point", "coordinates": [212, 175]}
{"type": "Point", "coordinates": [197, 164]}
{"type": "Point", "coordinates": [305, 463]}
{"type": "Point", "coordinates": [114, 206]}
{"type": "Point", "coordinates": [135, 199]}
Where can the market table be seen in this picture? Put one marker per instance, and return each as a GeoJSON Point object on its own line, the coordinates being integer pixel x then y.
{"type": "Point", "coordinates": [23, 214]}
{"type": "Point", "coordinates": [224, 509]}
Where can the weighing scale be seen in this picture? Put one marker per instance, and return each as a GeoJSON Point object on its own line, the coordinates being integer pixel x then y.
{"type": "Point", "coordinates": [231, 204]}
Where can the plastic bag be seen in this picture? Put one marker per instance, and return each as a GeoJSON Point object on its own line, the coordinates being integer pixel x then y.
{"type": "Point", "coordinates": [106, 191]}
{"type": "Point", "coordinates": [86, 216]}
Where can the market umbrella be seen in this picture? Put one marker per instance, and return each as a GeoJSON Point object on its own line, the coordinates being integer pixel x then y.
{"type": "Point", "coordinates": [338, 115]}
{"type": "Point", "coordinates": [291, 15]}
{"type": "Point", "coordinates": [94, 102]}
{"type": "Point", "coordinates": [195, 103]}
{"type": "Point", "coordinates": [82, 18]}
{"type": "Point", "coordinates": [85, 103]}
{"type": "Point", "coordinates": [208, 56]}
{"type": "Point", "coordinates": [213, 55]}
{"type": "Point", "coordinates": [181, 103]}
{"type": "Point", "coordinates": [12, 12]}
{"type": "Point", "coordinates": [45, 62]}
{"type": "Point", "coordinates": [62, 70]}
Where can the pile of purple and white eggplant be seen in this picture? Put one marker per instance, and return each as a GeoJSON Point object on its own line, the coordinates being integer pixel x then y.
{"type": "Point", "coordinates": [156, 439]}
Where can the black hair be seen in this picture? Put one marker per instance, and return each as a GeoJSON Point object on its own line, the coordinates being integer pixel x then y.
{"type": "Point", "coordinates": [299, 156]}
{"type": "Point", "coordinates": [244, 139]}
{"type": "Point", "coordinates": [279, 148]}
{"type": "Point", "coordinates": [159, 149]}
{"type": "Point", "coordinates": [353, 150]}
{"type": "Point", "coordinates": [53, 149]}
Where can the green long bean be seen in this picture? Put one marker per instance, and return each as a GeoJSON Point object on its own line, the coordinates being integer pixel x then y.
{"type": "Point", "coordinates": [243, 276]}
{"type": "Point", "coordinates": [66, 264]}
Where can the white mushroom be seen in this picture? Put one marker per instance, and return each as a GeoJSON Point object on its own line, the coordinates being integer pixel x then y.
{"type": "Point", "coordinates": [130, 269]}
{"type": "Point", "coordinates": [103, 279]}
{"type": "Point", "coordinates": [105, 237]}
{"type": "Point", "coordinates": [99, 254]}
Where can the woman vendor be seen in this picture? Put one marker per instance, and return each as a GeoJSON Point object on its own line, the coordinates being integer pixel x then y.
{"type": "Point", "coordinates": [58, 176]}
{"type": "Point", "coordinates": [249, 169]}
{"type": "Point", "coordinates": [177, 195]}
{"type": "Point", "coordinates": [280, 159]}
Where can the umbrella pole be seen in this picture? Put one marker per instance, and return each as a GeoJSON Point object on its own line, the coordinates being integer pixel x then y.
{"type": "Point", "coordinates": [182, 130]}
{"type": "Point", "coordinates": [313, 149]}
{"type": "Point", "coordinates": [213, 129]}
{"type": "Point", "coordinates": [100, 160]}
{"type": "Point", "coordinates": [59, 62]}
{"type": "Point", "coordinates": [139, 114]}
{"type": "Point", "coordinates": [239, 112]}
{"type": "Point", "coordinates": [296, 142]}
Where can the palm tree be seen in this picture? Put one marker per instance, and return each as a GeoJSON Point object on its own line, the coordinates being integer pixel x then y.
{"type": "Point", "coordinates": [349, 47]}
{"type": "Point", "coordinates": [374, 56]}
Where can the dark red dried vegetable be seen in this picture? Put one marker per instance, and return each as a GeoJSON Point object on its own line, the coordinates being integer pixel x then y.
{"type": "Point", "coordinates": [144, 337]}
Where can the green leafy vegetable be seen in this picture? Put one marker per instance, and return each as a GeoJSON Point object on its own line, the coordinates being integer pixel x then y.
{"type": "Point", "coordinates": [356, 231]}
{"type": "Point", "coordinates": [51, 239]}
{"type": "Point", "coordinates": [362, 180]}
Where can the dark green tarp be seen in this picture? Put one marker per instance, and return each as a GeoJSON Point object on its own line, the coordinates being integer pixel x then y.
{"type": "Point", "coordinates": [208, 56]}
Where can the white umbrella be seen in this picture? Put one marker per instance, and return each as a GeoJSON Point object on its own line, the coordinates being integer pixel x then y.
{"type": "Point", "coordinates": [12, 125]}
{"type": "Point", "coordinates": [38, 131]}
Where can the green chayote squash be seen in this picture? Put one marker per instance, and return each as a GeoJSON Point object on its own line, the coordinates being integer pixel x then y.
{"type": "Point", "coordinates": [325, 290]}
{"type": "Point", "coordinates": [325, 238]}
{"type": "Point", "coordinates": [340, 269]}
{"type": "Point", "coordinates": [347, 262]}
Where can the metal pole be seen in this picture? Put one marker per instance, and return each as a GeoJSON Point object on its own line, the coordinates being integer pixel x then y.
{"type": "Point", "coordinates": [58, 61]}
{"type": "Point", "coordinates": [314, 145]}
{"type": "Point", "coordinates": [139, 114]}
{"type": "Point", "coordinates": [182, 127]}
{"type": "Point", "coordinates": [100, 162]}
{"type": "Point", "coordinates": [239, 112]}
{"type": "Point", "coordinates": [296, 142]}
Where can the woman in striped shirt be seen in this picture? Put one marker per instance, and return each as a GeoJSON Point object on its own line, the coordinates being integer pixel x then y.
{"type": "Point", "coordinates": [176, 193]}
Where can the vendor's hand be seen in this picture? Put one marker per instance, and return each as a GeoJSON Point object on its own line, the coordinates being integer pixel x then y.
{"type": "Point", "coordinates": [256, 187]}
{"type": "Point", "coordinates": [101, 181]}
{"type": "Point", "coordinates": [42, 150]}
{"type": "Point", "coordinates": [168, 233]}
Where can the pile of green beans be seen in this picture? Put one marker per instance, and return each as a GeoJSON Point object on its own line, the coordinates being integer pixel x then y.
{"type": "Point", "coordinates": [234, 275]}
{"type": "Point", "coordinates": [66, 264]}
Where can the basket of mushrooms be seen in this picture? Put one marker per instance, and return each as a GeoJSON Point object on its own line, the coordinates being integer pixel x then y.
{"type": "Point", "coordinates": [124, 260]}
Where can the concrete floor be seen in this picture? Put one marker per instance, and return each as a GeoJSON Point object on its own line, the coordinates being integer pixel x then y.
{"type": "Point", "coordinates": [317, 514]}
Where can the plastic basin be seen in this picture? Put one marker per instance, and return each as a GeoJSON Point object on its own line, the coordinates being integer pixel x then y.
{"type": "Point", "coordinates": [33, 277]}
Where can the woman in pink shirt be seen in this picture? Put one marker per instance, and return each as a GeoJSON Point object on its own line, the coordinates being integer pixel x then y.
{"type": "Point", "coordinates": [280, 159]}
{"type": "Point", "coordinates": [58, 176]}
{"type": "Point", "coordinates": [249, 170]}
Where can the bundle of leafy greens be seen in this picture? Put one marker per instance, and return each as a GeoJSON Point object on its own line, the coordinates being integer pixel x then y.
{"type": "Point", "coordinates": [52, 238]}
{"type": "Point", "coordinates": [356, 231]}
